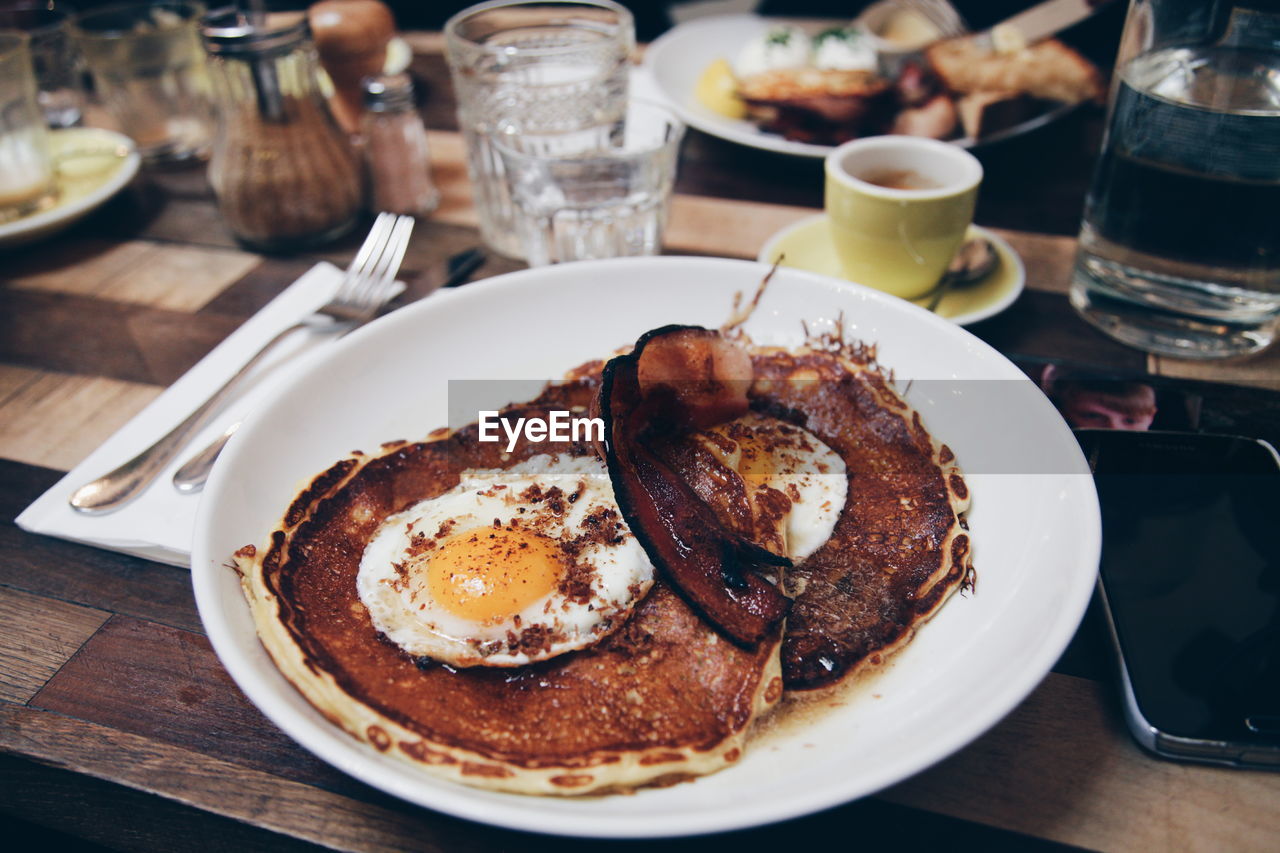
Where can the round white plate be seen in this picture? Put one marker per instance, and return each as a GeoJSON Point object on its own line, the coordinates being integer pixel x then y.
{"type": "Point", "coordinates": [677, 59]}
{"type": "Point", "coordinates": [1035, 535]}
{"type": "Point", "coordinates": [93, 165]}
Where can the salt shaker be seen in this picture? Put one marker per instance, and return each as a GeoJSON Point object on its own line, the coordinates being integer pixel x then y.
{"type": "Point", "coordinates": [395, 148]}
{"type": "Point", "coordinates": [286, 176]}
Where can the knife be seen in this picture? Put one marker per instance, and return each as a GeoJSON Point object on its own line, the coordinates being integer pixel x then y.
{"type": "Point", "coordinates": [1043, 20]}
{"type": "Point", "coordinates": [193, 474]}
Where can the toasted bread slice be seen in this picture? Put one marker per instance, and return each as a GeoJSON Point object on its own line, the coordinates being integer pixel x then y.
{"type": "Point", "coordinates": [1049, 70]}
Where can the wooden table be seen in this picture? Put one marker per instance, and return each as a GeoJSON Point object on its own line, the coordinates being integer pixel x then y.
{"type": "Point", "coordinates": [119, 726]}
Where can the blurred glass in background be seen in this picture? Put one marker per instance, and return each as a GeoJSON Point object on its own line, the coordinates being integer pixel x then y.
{"type": "Point", "coordinates": [57, 66]}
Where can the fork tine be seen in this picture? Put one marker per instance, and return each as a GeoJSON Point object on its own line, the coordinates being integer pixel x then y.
{"type": "Point", "coordinates": [370, 249]}
{"type": "Point", "coordinates": [376, 287]}
{"type": "Point", "coordinates": [392, 258]}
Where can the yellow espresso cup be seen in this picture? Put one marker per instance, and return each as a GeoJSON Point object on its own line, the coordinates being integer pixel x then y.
{"type": "Point", "coordinates": [899, 207]}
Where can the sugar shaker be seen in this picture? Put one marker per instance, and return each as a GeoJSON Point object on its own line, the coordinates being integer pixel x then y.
{"type": "Point", "coordinates": [286, 176]}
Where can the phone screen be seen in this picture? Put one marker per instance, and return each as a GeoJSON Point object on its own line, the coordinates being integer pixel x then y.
{"type": "Point", "coordinates": [1191, 575]}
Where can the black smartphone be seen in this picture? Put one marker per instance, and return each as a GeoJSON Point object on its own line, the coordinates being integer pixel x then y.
{"type": "Point", "coordinates": [1190, 583]}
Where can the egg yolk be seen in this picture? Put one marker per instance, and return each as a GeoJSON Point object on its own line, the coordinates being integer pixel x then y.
{"type": "Point", "coordinates": [756, 463]}
{"type": "Point", "coordinates": [490, 574]}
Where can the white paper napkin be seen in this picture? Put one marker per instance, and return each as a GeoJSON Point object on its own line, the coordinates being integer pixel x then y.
{"type": "Point", "coordinates": [158, 525]}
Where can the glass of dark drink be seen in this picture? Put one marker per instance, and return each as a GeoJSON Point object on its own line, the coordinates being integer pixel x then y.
{"type": "Point", "coordinates": [1180, 245]}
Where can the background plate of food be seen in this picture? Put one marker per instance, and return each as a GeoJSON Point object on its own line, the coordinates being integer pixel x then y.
{"type": "Point", "coordinates": [802, 88]}
{"type": "Point", "coordinates": [656, 691]}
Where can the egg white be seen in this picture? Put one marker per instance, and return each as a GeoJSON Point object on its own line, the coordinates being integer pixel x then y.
{"type": "Point", "coordinates": [805, 469]}
{"type": "Point", "coordinates": [846, 50]}
{"type": "Point", "coordinates": [404, 611]}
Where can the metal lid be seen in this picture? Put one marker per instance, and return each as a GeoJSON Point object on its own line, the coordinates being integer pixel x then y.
{"type": "Point", "coordinates": [229, 32]}
{"type": "Point", "coordinates": [387, 93]}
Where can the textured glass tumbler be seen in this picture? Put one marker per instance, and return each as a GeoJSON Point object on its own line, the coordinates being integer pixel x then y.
{"type": "Point", "coordinates": [26, 170]}
{"type": "Point", "coordinates": [1180, 244]}
{"type": "Point", "coordinates": [149, 71]}
{"type": "Point", "coordinates": [57, 65]}
{"type": "Point", "coordinates": [607, 203]}
{"type": "Point", "coordinates": [552, 76]}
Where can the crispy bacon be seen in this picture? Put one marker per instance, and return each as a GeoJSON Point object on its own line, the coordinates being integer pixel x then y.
{"type": "Point", "coordinates": [679, 378]}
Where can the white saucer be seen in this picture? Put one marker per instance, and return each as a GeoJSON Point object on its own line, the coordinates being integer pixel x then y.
{"type": "Point", "coordinates": [806, 245]}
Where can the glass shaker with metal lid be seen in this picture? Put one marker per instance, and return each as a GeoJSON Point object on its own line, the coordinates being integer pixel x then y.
{"type": "Point", "coordinates": [286, 176]}
{"type": "Point", "coordinates": [396, 149]}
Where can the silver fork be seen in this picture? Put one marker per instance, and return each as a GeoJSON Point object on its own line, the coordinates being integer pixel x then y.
{"type": "Point", "coordinates": [367, 286]}
{"type": "Point", "coordinates": [940, 13]}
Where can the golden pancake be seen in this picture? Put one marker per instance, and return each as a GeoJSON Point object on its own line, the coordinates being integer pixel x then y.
{"type": "Point", "coordinates": [663, 699]}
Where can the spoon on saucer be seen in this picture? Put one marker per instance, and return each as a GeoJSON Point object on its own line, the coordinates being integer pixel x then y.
{"type": "Point", "coordinates": [971, 263]}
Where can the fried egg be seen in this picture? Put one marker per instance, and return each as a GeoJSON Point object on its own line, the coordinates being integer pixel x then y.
{"type": "Point", "coordinates": [795, 484]}
{"type": "Point", "coordinates": [509, 567]}
{"type": "Point", "coordinates": [779, 48]}
{"type": "Point", "coordinates": [844, 49]}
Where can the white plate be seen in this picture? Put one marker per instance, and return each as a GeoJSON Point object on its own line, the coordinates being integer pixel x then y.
{"type": "Point", "coordinates": [93, 165]}
{"type": "Point", "coordinates": [1035, 536]}
{"type": "Point", "coordinates": [677, 59]}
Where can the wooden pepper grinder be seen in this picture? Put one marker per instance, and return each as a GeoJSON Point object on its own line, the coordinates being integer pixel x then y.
{"type": "Point", "coordinates": [351, 37]}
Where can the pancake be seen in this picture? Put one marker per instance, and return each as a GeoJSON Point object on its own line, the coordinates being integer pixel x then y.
{"type": "Point", "coordinates": [665, 698]}
{"type": "Point", "coordinates": [901, 546]}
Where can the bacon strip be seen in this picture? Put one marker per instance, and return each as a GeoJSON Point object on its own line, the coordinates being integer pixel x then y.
{"type": "Point", "coordinates": [676, 378]}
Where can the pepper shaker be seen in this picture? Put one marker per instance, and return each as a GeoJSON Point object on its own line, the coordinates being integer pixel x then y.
{"type": "Point", "coordinates": [395, 145]}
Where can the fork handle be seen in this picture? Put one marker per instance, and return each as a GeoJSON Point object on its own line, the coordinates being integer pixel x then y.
{"type": "Point", "coordinates": [112, 491]}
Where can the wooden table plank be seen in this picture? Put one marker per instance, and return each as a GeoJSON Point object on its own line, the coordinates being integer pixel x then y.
{"type": "Point", "coordinates": [98, 337]}
{"type": "Point", "coordinates": [225, 788]}
{"type": "Point", "coordinates": [56, 419]}
{"type": "Point", "coordinates": [302, 811]}
{"type": "Point", "coordinates": [91, 577]}
{"type": "Point", "coordinates": [1061, 767]}
{"type": "Point", "coordinates": [1043, 325]}
{"type": "Point", "coordinates": [178, 278]}
{"type": "Point", "coordinates": [166, 684]}
{"type": "Point", "coordinates": [1260, 371]}
{"type": "Point", "coordinates": [54, 809]}
{"type": "Point", "coordinates": [39, 636]}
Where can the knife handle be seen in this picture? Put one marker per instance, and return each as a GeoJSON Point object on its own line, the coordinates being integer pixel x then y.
{"type": "Point", "coordinates": [112, 491]}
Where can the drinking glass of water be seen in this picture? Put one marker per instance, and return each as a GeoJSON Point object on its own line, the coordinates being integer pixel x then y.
{"type": "Point", "coordinates": [1180, 244]}
{"type": "Point", "coordinates": [552, 74]}
{"type": "Point", "coordinates": [610, 202]}
{"type": "Point", "coordinates": [149, 71]}
{"type": "Point", "coordinates": [57, 66]}
{"type": "Point", "coordinates": [26, 169]}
